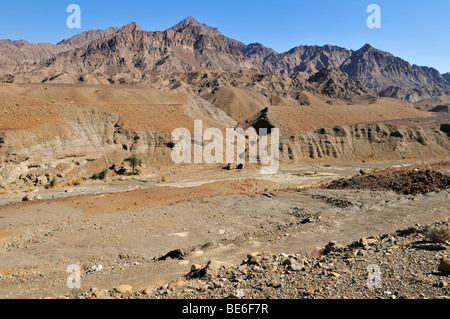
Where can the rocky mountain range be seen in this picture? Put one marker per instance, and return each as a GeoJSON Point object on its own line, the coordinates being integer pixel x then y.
{"type": "Point", "coordinates": [22, 52]}
{"type": "Point", "coordinates": [132, 56]}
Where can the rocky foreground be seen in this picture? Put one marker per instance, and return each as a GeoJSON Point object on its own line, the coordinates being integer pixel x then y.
{"type": "Point", "coordinates": [409, 264]}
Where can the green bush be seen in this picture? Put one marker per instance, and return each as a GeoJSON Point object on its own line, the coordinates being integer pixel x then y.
{"type": "Point", "coordinates": [101, 175]}
{"type": "Point", "coordinates": [53, 183]}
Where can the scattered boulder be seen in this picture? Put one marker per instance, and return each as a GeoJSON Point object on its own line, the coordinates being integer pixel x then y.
{"type": "Point", "coordinates": [237, 294]}
{"type": "Point", "coordinates": [177, 284]}
{"type": "Point", "coordinates": [147, 291]}
{"type": "Point", "coordinates": [429, 246]}
{"type": "Point", "coordinates": [444, 266]}
{"type": "Point", "coordinates": [365, 172]}
{"type": "Point", "coordinates": [253, 259]}
{"type": "Point", "coordinates": [124, 289]}
{"type": "Point", "coordinates": [367, 241]}
{"type": "Point", "coordinates": [174, 254]}
{"type": "Point", "coordinates": [28, 198]}
{"type": "Point", "coordinates": [333, 247]}
{"type": "Point", "coordinates": [100, 294]}
{"type": "Point", "coordinates": [211, 269]}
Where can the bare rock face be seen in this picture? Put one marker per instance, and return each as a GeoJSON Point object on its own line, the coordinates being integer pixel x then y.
{"type": "Point", "coordinates": [446, 76]}
{"type": "Point", "coordinates": [87, 37]}
{"type": "Point", "coordinates": [375, 141]}
{"type": "Point", "coordinates": [390, 76]}
{"type": "Point", "coordinates": [333, 83]}
{"type": "Point", "coordinates": [131, 55]}
{"type": "Point", "coordinates": [308, 59]}
{"type": "Point", "coordinates": [22, 52]}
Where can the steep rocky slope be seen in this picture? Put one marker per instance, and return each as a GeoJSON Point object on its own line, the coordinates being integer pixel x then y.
{"type": "Point", "coordinates": [132, 56]}
{"type": "Point", "coordinates": [42, 138]}
{"type": "Point", "coordinates": [22, 52]}
{"type": "Point", "coordinates": [378, 142]}
{"type": "Point", "coordinates": [380, 71]}
{"type": "Point", "coordinates": [333, 83]}
{"type": "Point", "coordinates": [393, 77]}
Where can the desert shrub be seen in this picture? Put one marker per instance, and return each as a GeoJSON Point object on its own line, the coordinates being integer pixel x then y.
{"type": "Point", "coordinates": [75, 182]}
{"type": "Point", "coordinates": [101, 175]}
{"type": "Point", "coordinates": [52, 183]}
{"type": "Point", "coordinates": [439, 234]}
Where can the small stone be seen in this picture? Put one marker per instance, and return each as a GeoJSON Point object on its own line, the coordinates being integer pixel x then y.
{"type": "Point", "coordinates": [177, 284]}
{"type": "Point", "coordinates": [212, 267]}
{"type": "Point", "coordinates": [147, 291]}
{"type": "Point", "coordinates": [124, 289]}
{"type": "Point", "coordinates": [296, 267]}
{"type": "Point", "coordinates": [367, 241]}
{"type": "Point", "coordinates": [239, 293]}
{"type": "Point", "coordinates": [335, 274]}
{"type": "Point", "coordinates": [28, 198]}
{"type": "Point", "coordinates": [333, 246]}
{"type": "Point", "coordinates": [253, 259]}
{"type": "Point", "coordinates": [287, 262]}
{"type": "Point", "coordinates": [364, 171]}
{"type": "Point", "coordinates": [99, 294]}
{"type": "Point", "coordinates": [444, 266]}
{"type": "Point", "coordinates": [97, 268]}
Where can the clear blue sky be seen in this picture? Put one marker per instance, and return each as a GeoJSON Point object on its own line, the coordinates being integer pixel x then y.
{"type": "Point", "coordinates": [415, 30]}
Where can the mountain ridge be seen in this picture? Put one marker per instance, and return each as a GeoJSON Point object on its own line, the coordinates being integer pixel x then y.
{"type": "Point", "coordinates": [131, 55]}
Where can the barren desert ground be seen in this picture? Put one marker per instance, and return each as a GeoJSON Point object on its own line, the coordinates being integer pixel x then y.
{"type": "Point", "coordinates": [127, 226]}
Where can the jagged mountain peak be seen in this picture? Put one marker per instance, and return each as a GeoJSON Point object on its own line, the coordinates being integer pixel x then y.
{"type": "Point", "coordinates": [130, 27]}
{"type": "Point", "coordinates": [191, 21]}
{"type": "Point", "coordinates": [367, 47]}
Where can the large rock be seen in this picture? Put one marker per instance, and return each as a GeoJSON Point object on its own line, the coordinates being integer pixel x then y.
{"type": "Point", "coordinates": [124, 289]}
{"type": "Point", "coordinates": [444, 266]}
